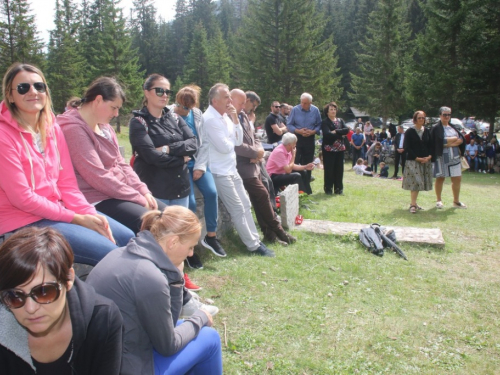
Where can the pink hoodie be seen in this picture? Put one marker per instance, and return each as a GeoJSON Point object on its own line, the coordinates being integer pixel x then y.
{"type": "Point", "coordinates": [32, 186]}
{"type": "Point", "coordinates": [100, 169]}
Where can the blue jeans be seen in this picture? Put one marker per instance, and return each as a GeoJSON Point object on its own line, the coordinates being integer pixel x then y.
{"type": "Point", "coordinates": [89, 246]}
{"type": "Point", "coordinates": [184, 202]}
{"type": "Point", "coordinates": [206, 185]}
{"type": "Point", "coordinates": [201, 356]}
{"type": "Point", "coordinates": [475, 161]}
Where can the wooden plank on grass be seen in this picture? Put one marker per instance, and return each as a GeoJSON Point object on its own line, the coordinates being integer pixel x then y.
{"type": "Point", "coordinates": [421, 236]}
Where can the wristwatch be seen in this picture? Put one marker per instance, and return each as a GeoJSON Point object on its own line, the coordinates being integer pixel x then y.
{"type": "Point", "coordinates": [164, 149]}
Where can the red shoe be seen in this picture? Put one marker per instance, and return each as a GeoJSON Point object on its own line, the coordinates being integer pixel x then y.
{"type": "Point", "coordinates": [189, 284]}
{"type": "Point", "coordinates": [299, 219]}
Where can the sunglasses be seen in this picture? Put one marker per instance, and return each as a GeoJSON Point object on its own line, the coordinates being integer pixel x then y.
{"type": "Point", "coordinates": [23, 88]}
{"type": "Point", "coordinates": [420, 118]}
{"type": "Point", "coordinates": [160, 92]}
{"type": "Point", "coordinates": [43, 294]}
{"type": "Point", "coordinates": [276, 106]}
{"type": "Point", "coordinates": [446, 114]}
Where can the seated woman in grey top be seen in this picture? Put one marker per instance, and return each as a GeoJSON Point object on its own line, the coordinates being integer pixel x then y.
{"type": "Point", "coordinates": [144, 280]}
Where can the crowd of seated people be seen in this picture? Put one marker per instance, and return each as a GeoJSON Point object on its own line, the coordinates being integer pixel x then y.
{"type": "Point", "coordinates": [68, 196]}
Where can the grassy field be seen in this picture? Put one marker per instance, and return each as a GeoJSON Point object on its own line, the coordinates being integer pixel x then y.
{"type": "Point", "coordinates": [326, 306]}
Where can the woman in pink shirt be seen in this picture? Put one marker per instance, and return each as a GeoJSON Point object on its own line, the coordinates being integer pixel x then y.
{"type": "Point", "coordinates": [37, 183]}
{"type": "Point", "coordinates": [106, 180]}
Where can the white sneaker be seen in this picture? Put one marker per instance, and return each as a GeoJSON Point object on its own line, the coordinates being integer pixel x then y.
{"type": "Point", "coordinates": [194, 305]}
{"type": "Point", "coordinates": [479, 171]}
{"type": "Point", "coordinates": [439, 204]}
{"type": "Point", "coordinates": [484, 171]}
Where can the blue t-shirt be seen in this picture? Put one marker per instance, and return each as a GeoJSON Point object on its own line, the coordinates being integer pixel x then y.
{"type": "Point", "coordinates": [190, 121]}
{"type": "Point", "coordinates": [357, 139]}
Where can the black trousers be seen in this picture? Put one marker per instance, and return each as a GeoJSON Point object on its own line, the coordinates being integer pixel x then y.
{"type": "Point", "coordinates": [399, 158]}
{"type": "Point", "coordinates": [333, 164]}
{"type": "Point", "coordinates": [305, 154]}
{"type": "Point", "coordinates": [297, 177]}
{"type": "Point", "coordinates": [126, 212]}
{"type": "Point", "coordinates": [356, 154]}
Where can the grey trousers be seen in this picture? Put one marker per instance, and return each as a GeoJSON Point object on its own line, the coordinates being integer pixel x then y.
{"type": "Point", "coordinates": [232, 193]}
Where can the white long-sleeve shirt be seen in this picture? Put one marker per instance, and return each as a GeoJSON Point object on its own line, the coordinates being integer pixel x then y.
{"type": "Point", "coordinates": [222, 135]}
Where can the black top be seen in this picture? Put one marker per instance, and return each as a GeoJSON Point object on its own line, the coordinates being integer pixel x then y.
{"type": "Point", "coordinates": [60, 366]}
{"type": "Point", "coordinates": [97, 337]}
{"type": "Point", "coordinates": [272, 119]}
{"type": "Point", "coordinates": [437, 139]}
{"type": "Point", "coordinates": [416, 147]}
{"type": "Point", "coordinates": [327, 126]}
{"type": "Point", "coordinates": [166, 175]}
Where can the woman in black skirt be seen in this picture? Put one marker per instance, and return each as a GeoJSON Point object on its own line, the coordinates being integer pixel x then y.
{"type": "Point", "coordinates": [333, 129]}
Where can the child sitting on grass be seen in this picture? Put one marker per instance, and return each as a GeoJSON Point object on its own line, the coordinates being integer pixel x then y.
{"type": "Point", "coordinates": [361, 169]}
{"type": "Point", "coordinates": [384, 170]}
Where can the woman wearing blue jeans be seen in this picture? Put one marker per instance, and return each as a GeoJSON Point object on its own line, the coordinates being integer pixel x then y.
{"type": "Point", "coordinates": [187, 100]}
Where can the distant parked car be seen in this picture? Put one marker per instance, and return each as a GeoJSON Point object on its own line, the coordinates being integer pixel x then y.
{"type": "Point", "coordinates": [376, 122]}
{"type": "Point", "coordinates": [483, 126]}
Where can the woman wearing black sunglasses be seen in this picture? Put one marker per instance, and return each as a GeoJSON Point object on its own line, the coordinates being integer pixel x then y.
{"type": "Point", "coordinates": [37, 182]}
{"type": "Point", "coordinates": [163, 144]}
{"type": "Point", "coordinates": [51, 322]}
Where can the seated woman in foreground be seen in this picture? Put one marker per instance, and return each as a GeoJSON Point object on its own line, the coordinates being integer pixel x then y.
{"type": "Point", "coordinates": [144, 280]}
{"type": "Point", "coordinates": [104, 177]}
{"type": "Point", "coordinates": [37, 183]}
{"type": "Point", "coordinates": [50, 321]}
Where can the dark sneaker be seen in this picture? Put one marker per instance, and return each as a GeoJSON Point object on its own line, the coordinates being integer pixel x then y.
{"type": "Point", "coordinates": [194, 262]}
{"type": "Point", "coordinates": [212, 244]}
{"type": "Point", "coordinates": [262, 250]}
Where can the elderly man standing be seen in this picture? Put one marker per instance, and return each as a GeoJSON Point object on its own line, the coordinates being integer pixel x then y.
{"type": "Point", "coordinates": [223, 132]}
{"type": "Point", "coordinates": [248, 156]}
{"type": "Point", "coordinates": [305, 122]}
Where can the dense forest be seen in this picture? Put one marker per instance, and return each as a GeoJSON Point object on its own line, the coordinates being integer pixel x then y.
{"type": "Point", "coordinates": [387, 57]}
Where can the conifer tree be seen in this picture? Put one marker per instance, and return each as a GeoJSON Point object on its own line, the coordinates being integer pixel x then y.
{"type": "Point", "coordinates": [197, 65]}
{"type": "Point", "coordinates": [379, 88]}
{"type": "Point", "coordinates": [281, 51]}
{"type": "Point", "coordinates": [64, 62]}
{"type": "Point", "coordinates": [111, 53]}
{"type": "Point", "coordinates": [219, 61]}
{"type": "Point", "coordinates": [19, 40]}
{"type": "Point", "coordinates": [145, 37]}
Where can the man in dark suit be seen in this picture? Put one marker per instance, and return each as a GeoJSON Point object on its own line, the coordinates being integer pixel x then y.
{"type": "Point", "coordinates": [400, 154]}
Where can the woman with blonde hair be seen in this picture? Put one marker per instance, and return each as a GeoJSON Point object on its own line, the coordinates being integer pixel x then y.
{"type": "Point", "coordinates": [144, 280]}
{"type": "Point", "coordinates": [38, 185]}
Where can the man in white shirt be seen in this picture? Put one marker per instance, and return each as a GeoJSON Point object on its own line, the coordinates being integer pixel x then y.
{"type": "Point", "coordinates": [223, 132]}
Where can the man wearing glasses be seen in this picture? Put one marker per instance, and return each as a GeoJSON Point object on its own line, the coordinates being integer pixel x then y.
{"type": "Point", "coordinates": [275, 128]}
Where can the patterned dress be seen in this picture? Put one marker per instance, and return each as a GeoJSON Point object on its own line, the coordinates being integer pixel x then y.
{"type": "Point", "coordinates": [417, 176]}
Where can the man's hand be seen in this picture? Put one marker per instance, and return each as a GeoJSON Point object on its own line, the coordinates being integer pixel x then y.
{"type": "Point", "coordinates": [401, 150]}
{"type": "Point", "coordinates": [197, 174]}
{"type": "Point", "coordinates": [260, 153]}
{"type": "Point", "coordinates": [231, 112]}
{"type": "Point", "coordinates": [309, 167]}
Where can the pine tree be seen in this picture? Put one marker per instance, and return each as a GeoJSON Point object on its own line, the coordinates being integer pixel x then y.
{"type": "Point", "coordinates": [145, 38]}
{"type": "Point", "coordinates": [19, 40]}
{"type": "Point", "coordinates": [180, 40]}
{"type": "Point", "coordinates": [219, 61]}
{"type": "Point", "coordinates": [379, 89]}
{"type": "Point", "coordinates": [436, 79]}
{"type": "Point", "coordinates": [282, 52]}
{"type": "Point", "coordinates": [111, 53]}
{"type": "Point", "coordinates": [196, 70]}
{"type": "Point", "coordinates": [65, 79]}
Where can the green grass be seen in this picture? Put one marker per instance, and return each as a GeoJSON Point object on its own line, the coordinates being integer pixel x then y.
{"type": "Point", "coordinates": [326, 306]}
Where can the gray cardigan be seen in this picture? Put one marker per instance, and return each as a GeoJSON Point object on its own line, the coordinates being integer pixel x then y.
{"type": "Point", "coordinates": [148, 290]}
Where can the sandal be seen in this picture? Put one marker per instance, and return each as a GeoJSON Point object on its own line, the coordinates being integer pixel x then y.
{"type": "Point", "coordinates": [459, 205]}
{"type": "Point", "coordinates": [413, 209]}
{"type": "Point", "coordinates": [439, 204]}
